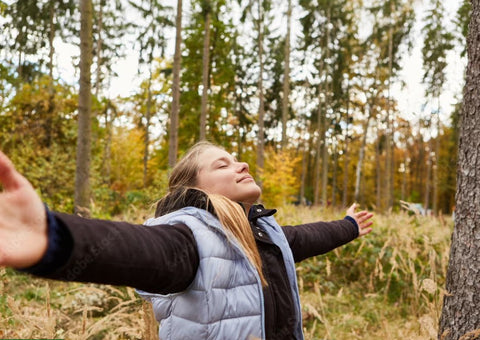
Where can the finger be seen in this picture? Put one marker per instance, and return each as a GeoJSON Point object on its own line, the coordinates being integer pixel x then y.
{"type": "Point", "coordinates": [364, 225]}
{"type": "Point", "coordinates": [361, 213]}
{"type": "Point", "coordinates": [364, 216]}
{"type": "Point", "coordinates": [351, 209]}
{"type": "Point", "coordinates": [9, 177]}
{"type": "Point", "coordinates": [365, 231]}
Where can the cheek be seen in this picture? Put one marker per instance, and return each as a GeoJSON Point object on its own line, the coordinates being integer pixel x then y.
{"type": "Point", "coordinates": [215, 183]}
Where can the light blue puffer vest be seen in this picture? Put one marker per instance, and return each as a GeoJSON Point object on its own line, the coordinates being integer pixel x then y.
{"type": "Point", "coordinates": [225, 299]}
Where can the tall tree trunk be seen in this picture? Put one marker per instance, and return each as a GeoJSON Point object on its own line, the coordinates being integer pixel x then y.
{"type": "Point", "coordinates": [99, 49]}
{"type": "Point", "coordinates": [346, 152]}
{"type": "Point", "coordinates": [205, 70]}
{"type": "Point", "coordinates": [318, 146]}
{"type": "Point", "coordinates": [324, 159]}
{"type": "Point", "coordinates": [107, 150]}
{"type": "Point", "coordinates": [51, 89]}
{"type": "Point", "coordinates": [174, 115]}
{"type": "Point", "coordinates": [261, 108]}
{"type": "Point", "coordinates": [378, 171]}
{"type": "Point", "coordinates": [361, 157]}
{"type": "Point", "coordinates": [404, 175]}
{"type": "Point", "coordinates": [428, 177]}
{"type": "Point", "coordinates": [419, 167]}
{"type": "Point", "coordinates": [324, 118]}
{"type": "Point", "coordinates": [146, 138]}
{"type": "Point", "coordinates": [303, 148]}
{"type": "Point", "coordinates": [286, 77]}
{"type": "Point", "coordinates": [82, 173]}
{"type": "Point", "coordinates": [461, 304]}
{"type": "Point", "coordinates": [389, 131]}
{"type": "Point", "coordinates": [334, 173]}
{"type": "Point", "coordinates": [436, 165]}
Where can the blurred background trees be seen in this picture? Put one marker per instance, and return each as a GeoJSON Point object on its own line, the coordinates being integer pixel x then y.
{"type": "Point", "coordinates": [307, 92]}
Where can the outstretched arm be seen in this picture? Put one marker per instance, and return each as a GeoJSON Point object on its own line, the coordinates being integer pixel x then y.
{"type": "Point", "coordinates": [23, 222]}
{"type": "Point", "coordinates": [317, 238]}
{"type": "Point", "coordinates": [159, 259]}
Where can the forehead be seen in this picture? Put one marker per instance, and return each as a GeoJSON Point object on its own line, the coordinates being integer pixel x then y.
{"type": "Point", "coordinates": [212, 154]}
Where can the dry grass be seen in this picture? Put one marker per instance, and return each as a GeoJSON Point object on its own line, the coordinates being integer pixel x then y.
{"type": "Point", "coordinates": [384, 286]}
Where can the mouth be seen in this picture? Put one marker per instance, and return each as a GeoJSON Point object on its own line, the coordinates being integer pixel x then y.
{"type": "Point", "coordinates": [245, 178]}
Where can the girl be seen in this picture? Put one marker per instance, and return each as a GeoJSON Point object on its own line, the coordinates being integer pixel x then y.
{"type": "Point", "coordinates": [213, 264]}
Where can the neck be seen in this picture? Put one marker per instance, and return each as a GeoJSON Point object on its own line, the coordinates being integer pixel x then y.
{"type": "Point", "coordinates": [246, 207]}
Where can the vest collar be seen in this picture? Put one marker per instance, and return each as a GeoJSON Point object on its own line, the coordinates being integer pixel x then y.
{"type": "Point", "coordinates": [258, 210]}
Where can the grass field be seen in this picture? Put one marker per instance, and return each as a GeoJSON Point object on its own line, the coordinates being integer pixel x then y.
{"type": "Point", "coordinates": [387, 285]}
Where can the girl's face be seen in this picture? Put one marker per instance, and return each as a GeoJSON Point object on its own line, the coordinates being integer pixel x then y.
{"type": "Point", "coordinates": [220, 173]}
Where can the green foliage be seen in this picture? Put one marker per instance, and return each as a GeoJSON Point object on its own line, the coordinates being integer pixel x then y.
{"type": "Point", "coordinates": [462, 21]}
{"type": "Point", "coordinates": [28, 28]}
{"type": "Point", "coordinates": [38, 133]}
{"type": "Point", "coordinates": [438, 41]}
{"type": "Point", "coordinates": [221, 75]}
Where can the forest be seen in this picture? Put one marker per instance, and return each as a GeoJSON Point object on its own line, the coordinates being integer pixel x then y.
{"type": "Point", "coordinates": [98, 100]}
{"type": "Point", "coordinates": [302, 91]}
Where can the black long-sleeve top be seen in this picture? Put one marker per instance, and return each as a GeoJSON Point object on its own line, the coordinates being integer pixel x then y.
{"type": "Point", "coordinates": [164, 259]}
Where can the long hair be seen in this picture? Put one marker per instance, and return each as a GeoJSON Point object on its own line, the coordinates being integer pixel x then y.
{"type": "Point", "coordinates": [182, 192]}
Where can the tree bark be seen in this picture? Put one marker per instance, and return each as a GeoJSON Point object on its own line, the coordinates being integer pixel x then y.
{"type": "Point", "coordinates": [325, 154]}
{"type": "Point", "coordinates": [378, 171]}
{"type": "Point", "coordinates": [146, 137]}
{"type": "Point", "coordinates": [389, 130]}
{"type": "Point", "coordinates": [286, 77]}
{"type": "Point", "coordinates": [461, 305]}
{"type": "Point", "coordinates": [334, 173]}
{"type": "Point", "coordinates": [318, 145]}
{"type": "Point", "coordinates": [205, 72]}
{"type": "Point", "coordinates": [346, 151]}
{"type": "Point", "coordinates": [174, 115]}
{"type": "Point", "coordinates": [428, 177]}
{"type": "Point", "coordinates": [435, 166]}
{"type": "Point", "coordinates": [361, 157]}
{"type": "Point", "coordinates": [261, 108]}
{"type": "Point", "coordinates": [99, 49]}
{"type": "Point", "coordinates": [324, 158]}
{"type": "Point", "coordinates": [84, 139]}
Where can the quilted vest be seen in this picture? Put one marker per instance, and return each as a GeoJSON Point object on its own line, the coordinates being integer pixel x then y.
{"type": "Point", "coordinates": [225, 299]}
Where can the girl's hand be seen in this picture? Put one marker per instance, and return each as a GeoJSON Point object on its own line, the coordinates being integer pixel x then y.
{"type": "Point", "coordinates": [23, 221]}
{"type": "Point", "coordinates": [362, 218]}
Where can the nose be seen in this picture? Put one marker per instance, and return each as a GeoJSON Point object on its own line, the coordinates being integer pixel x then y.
{"type": "Point", "coordinates": [242, 167]}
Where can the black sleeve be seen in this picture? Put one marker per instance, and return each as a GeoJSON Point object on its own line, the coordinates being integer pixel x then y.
{"type": "Point", "coordinates": [158, 259]}
{"type": "Point", "coordinates": [307, 240]}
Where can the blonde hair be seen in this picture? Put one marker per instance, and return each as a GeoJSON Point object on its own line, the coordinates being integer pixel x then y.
{"type": "Point", "coordinates": [182, 192]}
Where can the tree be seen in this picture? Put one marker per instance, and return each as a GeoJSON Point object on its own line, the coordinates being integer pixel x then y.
{"type": "Point", "coordinates": [207, 12]}
{"type": "Point", "coordinates": [109, 31]}
{"type": "Point", "coordinates": [437, 42]}
{"type": "Point", "coordinates": [286, 77]}
{"type": "Point", "coordinates": [260, 25]}
{"type": "Point", "coordinates": [152, 45]}
{"type": "Point", "coordinates": [84, 141]}
{"type": "Point", "coordinates": [393, 20]}
{"type": "Point", "coordinates": [329, 38]}
{"type": "Point", "coordinates": [462, 20]}
{"type": "Point", "coordinates": [461, 305]}
{"type": "Point", "coordinates": [177, 59]}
